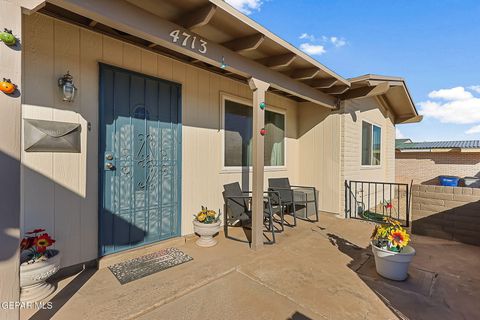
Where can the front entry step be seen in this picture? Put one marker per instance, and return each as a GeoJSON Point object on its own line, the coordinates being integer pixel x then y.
{"type": "Point", "coordinates": [111, 259]}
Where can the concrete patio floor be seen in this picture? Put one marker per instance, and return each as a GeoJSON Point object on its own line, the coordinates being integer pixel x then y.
{"type": "Point", "coordinates": [315, 271]}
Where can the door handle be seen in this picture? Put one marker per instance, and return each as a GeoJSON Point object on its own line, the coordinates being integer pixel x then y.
{"type": "Point", "coordinates": [109, 166]}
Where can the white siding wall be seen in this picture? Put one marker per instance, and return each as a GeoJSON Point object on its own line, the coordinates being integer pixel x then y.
{"type": "Point", "coordinates": [60, 191]}
{"type": "Point", "coordinates": [319, 159]}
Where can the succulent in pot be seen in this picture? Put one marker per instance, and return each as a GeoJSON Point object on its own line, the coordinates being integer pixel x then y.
{"type": "Point", "coordinates": [37, 264]}
{"type": "Point", "coordinates": [206, 224]}
{"type": "Point", "coordinates": [391, 250]}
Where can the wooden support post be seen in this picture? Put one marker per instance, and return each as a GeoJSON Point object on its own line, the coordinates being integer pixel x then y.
{"type": "Point", "coordinates": [259, 88]}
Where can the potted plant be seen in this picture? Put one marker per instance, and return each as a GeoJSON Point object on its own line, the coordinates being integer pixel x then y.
{"type": "Point", "coordinates": [37, 264]}
{"type": "Point", "coordinates": [206, 224]}
{"type": "Point", "coordinates": [391, 250]}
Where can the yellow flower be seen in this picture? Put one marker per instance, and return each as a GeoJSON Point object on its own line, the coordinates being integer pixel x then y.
{"type": "Point", "coordinates": [392, 221]}
{"type": "Point", "coordinates": [211, 213]}
{"type": "Point", "coordinates": [201, 216]}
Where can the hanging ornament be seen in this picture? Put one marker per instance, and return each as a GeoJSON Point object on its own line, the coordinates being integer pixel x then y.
{"type": "Point", "coordinates": [6, 86]}
{"type": "Point", "coordinates": [263, 131]}
{"type": "Point", "coordinates": [7, 37]}
{"type": "Point", "coordinates": [262, 105]}
{"type": "Point", "coordinates": [223, 65]}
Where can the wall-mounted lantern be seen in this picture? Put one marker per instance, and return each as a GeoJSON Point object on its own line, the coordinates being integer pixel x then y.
{"type": "Point", "coordinates": [6, 86]}
{"type": "Point", "coordinates": [7, 37]}
{"type": "Point", "coordinates": [68, 88]}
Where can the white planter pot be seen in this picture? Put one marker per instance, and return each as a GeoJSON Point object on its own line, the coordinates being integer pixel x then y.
{"type": "Point", "coordinates": [33, 276]}
{"type": "Point", "coordinates": [393, 265]}
{"type": "Point", "coordinates": [206, 233]}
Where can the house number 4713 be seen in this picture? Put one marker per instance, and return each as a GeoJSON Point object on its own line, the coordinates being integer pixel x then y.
{"type": "Point", "coordinates": [189, 40]}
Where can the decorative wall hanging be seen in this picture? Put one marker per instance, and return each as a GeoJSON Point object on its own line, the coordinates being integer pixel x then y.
{"type": "Point", "coordinates": [7, 37]}
{"type": "Point", "coordinates": [6, 86]}
{"type": "Point", "coordinates": [68, 88]}
{"type": "Point", "coordinates": [51, 136]}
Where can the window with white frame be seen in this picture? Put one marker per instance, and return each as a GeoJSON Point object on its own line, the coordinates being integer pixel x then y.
{"type": "Point", "coordinates": [238, 136]}
{"type": "Point", "coordinates": [371, 142]}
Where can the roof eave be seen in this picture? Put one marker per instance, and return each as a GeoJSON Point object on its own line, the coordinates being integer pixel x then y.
{"type": "Point", "coordinates": [372, 80]}
{"type": "Point", "coordinates": [246, 20]}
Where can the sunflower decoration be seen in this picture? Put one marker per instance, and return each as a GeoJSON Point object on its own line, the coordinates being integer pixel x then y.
{"type": "Point", "coordinates": [35, 245]}
{"type": "Point", "coordinates": [207, 216]}
{"type": "Point", "coordinates": [391, 236]}
{"type": "Point", "coordinates": [398, 238]}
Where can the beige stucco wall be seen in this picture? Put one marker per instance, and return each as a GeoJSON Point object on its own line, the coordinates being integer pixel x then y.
{"type": "Point", "coordinates": [426, 167]}
{"type": "Point", "coordinates": [353, 113]}
{"type": "Point", "coordinates": [60, 191]}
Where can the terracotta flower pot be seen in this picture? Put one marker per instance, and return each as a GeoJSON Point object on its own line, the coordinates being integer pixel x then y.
{"type": "Point", "coordinates": [393, 265]}
{"type": "Point", "coordinates": [206, 231]}
{"type": "Point", "coordinates": [33, 276]}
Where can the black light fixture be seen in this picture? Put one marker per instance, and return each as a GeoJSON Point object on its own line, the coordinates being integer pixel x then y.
{"type": "Point", "coordinates": [68, 88]}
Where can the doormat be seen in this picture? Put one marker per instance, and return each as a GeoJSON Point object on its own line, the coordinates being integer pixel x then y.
{"type": "Point", "coordinates": [146, 265]}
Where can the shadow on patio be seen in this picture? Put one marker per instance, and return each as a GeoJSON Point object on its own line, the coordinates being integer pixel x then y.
{"type": "Point", "coordinates": [303, 276]}
{"type": "Point", "coordinates": [443, 281]}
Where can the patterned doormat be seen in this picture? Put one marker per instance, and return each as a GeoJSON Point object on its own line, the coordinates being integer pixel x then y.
{"type": "Point", "coordinates": [146, 265]}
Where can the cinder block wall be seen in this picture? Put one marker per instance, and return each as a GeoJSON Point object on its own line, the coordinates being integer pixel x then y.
{"type": "Point", "coordinates": [425, 167]}
{"type": "Point", "coordinates": [451, 213]}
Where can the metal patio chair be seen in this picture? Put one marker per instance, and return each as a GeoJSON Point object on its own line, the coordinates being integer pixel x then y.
{"type": "Point", "coordinates": [238, 208]}
{"type": "Point", "coordinates": [292, 196]}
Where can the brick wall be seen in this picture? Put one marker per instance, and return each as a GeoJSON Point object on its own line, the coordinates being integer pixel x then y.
{"type": "Point", "coordinates": [446, 212]}
{"type": "Point", "coordinates": [425, 167]}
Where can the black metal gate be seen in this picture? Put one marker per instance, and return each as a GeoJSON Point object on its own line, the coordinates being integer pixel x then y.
{"type": "Point", "coordinates": [373, 201]}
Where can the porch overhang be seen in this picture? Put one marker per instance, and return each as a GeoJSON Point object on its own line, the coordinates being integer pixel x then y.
{"type": "Point", "coordinates": [235, 44]}
{"type": "Point", "coordinates": [390, 91]}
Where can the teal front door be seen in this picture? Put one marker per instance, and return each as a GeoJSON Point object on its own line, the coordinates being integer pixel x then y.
{"type": "Point", "coordinates": [140, 159]}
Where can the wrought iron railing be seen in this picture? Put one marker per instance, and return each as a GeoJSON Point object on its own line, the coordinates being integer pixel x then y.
{"type": "Point", "coordinates": [373, 201]}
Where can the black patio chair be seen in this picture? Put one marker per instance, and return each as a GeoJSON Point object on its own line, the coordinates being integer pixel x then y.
{"type": "Point", "coordinates": [292, 197]}
{"type": "Point", "coordinates": [238, 208]}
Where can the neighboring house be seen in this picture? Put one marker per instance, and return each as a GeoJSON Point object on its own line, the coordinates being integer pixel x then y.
{"type": "Point", "coordinates": [424, 162]}
{"type": "Point", "coordinates": [164, 101]}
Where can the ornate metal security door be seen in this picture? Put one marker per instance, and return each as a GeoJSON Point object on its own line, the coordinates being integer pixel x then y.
{"type": "Point", "coordinates": [140, 159]}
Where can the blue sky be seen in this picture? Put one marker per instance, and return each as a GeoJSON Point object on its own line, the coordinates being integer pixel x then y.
{"type": "Point", "coordinates": [433, 44]}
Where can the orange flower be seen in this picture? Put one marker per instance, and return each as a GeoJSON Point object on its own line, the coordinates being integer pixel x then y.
{"type": "Point", "coordinates": [399, 238]}
{"type": "Point", "coordinates": [43, 242]}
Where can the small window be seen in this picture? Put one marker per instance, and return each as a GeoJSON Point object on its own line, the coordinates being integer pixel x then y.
{"type": "Point", "coordinates": [371, 142]}
{"type": "Point", "coordinates": [238, 136]}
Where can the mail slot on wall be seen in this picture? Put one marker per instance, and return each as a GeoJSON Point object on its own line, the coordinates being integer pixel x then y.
{"type": "Point", "coordinates": [51, 136]}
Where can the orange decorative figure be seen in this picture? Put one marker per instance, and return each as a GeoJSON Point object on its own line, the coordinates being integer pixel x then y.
{"type": "Point", "coordinates": [7, 86]}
